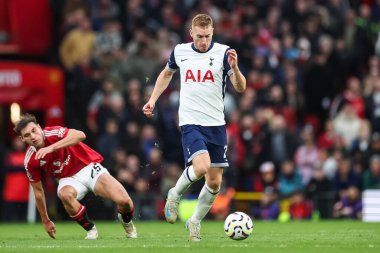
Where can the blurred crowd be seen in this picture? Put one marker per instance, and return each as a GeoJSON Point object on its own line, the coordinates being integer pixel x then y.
{"type": "Point", "coordinates": [305, 133]}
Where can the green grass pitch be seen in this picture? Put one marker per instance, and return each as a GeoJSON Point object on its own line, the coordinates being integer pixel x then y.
{"type": "Point", "coordinates": [157, 237]}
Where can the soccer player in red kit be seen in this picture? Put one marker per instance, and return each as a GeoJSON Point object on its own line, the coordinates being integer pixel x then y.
{"type": "Point", "coordinates": [59, 151]}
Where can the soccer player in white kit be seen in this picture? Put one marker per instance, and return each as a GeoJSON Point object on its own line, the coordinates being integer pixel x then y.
{"type": "Point", "coordinates": [204, 66]}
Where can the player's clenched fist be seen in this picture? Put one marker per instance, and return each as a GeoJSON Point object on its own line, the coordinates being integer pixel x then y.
{"type": "Point", "coordinates": [148, 109]}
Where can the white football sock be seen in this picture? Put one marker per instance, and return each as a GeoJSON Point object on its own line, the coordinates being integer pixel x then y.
{"type": "Point", "coordinates": [205, 200]}
{"type": "Point", "coordinates": [187, 178]}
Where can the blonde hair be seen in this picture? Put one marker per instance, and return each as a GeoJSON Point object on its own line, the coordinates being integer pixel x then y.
{"type": "Point", "coordinates": [202, 20]}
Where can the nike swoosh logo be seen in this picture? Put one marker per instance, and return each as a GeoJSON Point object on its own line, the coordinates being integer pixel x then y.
{"type": "Point", "coordinates": [184, 59]}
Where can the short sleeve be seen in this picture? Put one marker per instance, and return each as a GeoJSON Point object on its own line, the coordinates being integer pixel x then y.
{"type": "Point", "coordinates": [55, 133]}
{"type": "Point", "coordinates": [34, 175]}
{"type": "Point", "coordinates": [226, 66]}
{"type": "Point", "coordinates": [32, 169]}
{"type": "Point", "coordinates": [172, 65]}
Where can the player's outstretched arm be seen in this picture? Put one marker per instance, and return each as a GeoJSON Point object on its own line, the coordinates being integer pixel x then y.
{"type": "Point", "coordinates": [39, 196]}
{"type": "Point", "coordinates": [237, 78]}
{"type": "Point", "coordinates": [73, 137]}
{"type": "Point", "coordinates": [162, 83]}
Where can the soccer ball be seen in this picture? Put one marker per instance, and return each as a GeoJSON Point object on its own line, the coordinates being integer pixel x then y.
{"type": "Point", "coordinates": [238, 226]}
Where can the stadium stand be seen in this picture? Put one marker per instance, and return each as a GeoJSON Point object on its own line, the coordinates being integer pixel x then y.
{"type": "Point", "coordinates": [311, 108]}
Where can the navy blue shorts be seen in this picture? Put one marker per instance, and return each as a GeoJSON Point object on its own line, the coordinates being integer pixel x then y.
{"type": "Point", "coordinates": [201, 139]}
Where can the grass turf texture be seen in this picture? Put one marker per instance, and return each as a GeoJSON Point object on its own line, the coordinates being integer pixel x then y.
{"type": "Point", "coordinates": [157, 237]}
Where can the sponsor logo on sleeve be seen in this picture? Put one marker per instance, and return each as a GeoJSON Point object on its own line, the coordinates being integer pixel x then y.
{"type": "Point", "coordinates": [61, 132]}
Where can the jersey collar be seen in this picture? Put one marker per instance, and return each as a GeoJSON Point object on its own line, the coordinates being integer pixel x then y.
{"type": "Point", "coordinates": [196, 50]}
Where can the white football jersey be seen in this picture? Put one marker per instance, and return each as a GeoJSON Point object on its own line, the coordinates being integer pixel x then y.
{"type": "Point", "coordinates": [203, 83]}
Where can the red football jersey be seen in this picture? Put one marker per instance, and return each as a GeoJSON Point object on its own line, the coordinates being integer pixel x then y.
{"type": "Point", "coordinates": [64, 162]}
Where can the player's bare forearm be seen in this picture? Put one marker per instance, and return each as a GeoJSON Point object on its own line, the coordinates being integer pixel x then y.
{"type": "Point", "coordinates": [162, 83]}
{"type": "Point", "coordinates": [73, 137]}
{"type": "Point", "coordinates": [39, 196]}
{"type": "Point", "coordinates": [238, 80]}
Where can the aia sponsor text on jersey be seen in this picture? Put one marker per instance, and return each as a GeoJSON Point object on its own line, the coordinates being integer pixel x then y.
{"type": "Point", "coordinates": [199, 76]}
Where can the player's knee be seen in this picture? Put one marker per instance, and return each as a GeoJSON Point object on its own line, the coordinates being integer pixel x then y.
{"type": "Point", "coordinates": [66, 195]}
{"type": "Point", "coordinates": [201, 164]}
{"type": "Point", "coordinates": [214, 184]}
{"type": "Point", "coordinates": [201, 169]}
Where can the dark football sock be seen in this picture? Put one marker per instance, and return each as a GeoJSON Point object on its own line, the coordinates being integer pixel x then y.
{"type": "Point", "coordinates": [127, 216]}
{"type": "Point", "coordinates": [82, 218]}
